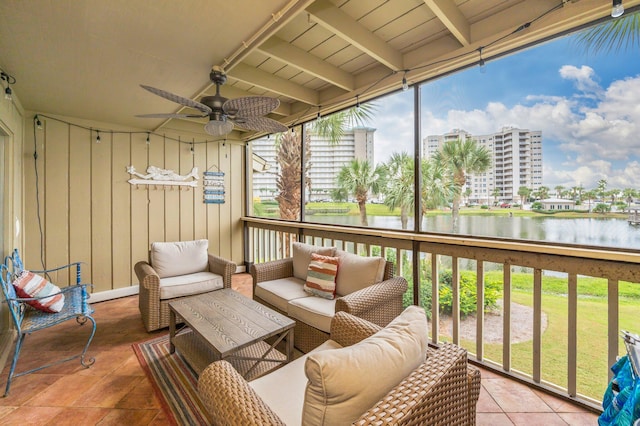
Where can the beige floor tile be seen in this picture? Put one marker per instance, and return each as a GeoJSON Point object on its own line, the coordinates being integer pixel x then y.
{"type": "Point", "coordinates": [514, 397]}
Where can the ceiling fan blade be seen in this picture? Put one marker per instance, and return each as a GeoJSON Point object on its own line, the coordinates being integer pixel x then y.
{"type": "Point", "coordinates": [178, 99]}
{"type": "Point", "coordinates": [162, 115]}
{"type": "Point", "coordinates": [218, 127]}
{"type": "Point", "coordinates": [261, 124]}
{"type": "Point", "coordinates": [250, 106]}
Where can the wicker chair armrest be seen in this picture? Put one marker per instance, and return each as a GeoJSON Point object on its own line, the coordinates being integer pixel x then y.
{"type": "Point", "coordinates": [272, 270]}
{"type": "Point", "coordinates": [221, 266]}
{"type": "Point", "coordinates": [348, 330]}
{"type": "Point", "coordinates": [434, 393]}
{"type": "Point", "coordinates": [147, 276]}
{"type": "Point", "coordinates": [370, 297]}
{"type": "Point", "coordinates": [230, 400]}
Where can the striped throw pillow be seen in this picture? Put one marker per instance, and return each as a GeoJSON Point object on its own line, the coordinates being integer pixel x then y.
{"type": "Point", "coordinates": [321, 276]}
{"type": "Point", "coordinates": [28, 284]}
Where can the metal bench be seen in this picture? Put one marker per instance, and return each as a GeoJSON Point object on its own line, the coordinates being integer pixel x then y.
{"type": "Point", "coordinates": [28, 319]}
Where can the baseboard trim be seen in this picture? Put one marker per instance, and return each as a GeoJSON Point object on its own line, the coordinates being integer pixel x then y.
{"type": "Point", "coordinates": [103, 296]}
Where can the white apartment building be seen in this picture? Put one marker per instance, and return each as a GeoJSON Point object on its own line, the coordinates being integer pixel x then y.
{"type": "Point", "coordinates": [326, 161]}
{"type": "Point", "coordinates": [516, 161]}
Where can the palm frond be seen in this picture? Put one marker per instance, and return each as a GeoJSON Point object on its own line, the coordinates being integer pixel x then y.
{"type": "Point", "coordinates": [615, 35]}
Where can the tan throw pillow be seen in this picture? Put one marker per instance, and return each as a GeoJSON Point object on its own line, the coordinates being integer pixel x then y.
{"type": "Point", "coordinates": [321, 276]}
{"type": "Point", "coordinates": [346, 382]}
{"type": "Point", "coordinates": [170, 259]}
{"type": "Point", "coordinates": [357, 272]}
{"type": "Point", "coordinates": [302, 257]}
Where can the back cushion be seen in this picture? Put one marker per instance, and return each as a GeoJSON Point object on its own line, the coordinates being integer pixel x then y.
{"type": "Point", "coordinates": [302, 257]}
{"type": "Point", "coordinates": [344, 383]}
{"type": "Point", "coordinates": [180, 258]}
{"type": "Point", "coordinates": [357, 272]}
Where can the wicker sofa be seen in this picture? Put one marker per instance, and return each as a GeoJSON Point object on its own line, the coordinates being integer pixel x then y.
{"type": "Point", "coordinates": [441, 389]}
{"type": "Point", "coordinates": [174, 270]}
{"type": "Point", "coordinates": [366, 288]}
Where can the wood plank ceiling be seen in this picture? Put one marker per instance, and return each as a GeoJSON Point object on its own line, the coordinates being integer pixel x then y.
{"type": "Point", "coordinates": [310, 54]}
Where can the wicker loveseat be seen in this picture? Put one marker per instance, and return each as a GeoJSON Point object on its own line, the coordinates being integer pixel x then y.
{"type": "Point", "coordinates": [435, 386]}
{"type": "Point", "coordinates": [174, 270]}
{"type": "Point", "coordinates": [366, 288]}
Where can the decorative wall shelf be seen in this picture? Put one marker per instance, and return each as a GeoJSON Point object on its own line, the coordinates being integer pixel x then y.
{"type": "Point", "coordinates": [213, 187]}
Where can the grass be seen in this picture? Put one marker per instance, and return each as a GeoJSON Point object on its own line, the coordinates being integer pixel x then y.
{"type": "Point", "coordinates": [593, 368]}
{"type": "Point", "coordinates": [382, 210]}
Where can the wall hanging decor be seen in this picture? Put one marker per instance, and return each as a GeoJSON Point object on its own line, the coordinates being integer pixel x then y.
{"type": "Point", "coordinates": [163, 177]}
{"type": "Point", "coordinates": [213, 187]}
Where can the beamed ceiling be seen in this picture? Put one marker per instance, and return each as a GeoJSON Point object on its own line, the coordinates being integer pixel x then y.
{"type": "Point", "coordinates": [87, 58]}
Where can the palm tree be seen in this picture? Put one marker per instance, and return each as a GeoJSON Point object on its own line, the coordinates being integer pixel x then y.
{"type": "Point", "coordinates": [463, 157]}
{"type": "Point", "coordinates": [590, 196]}
{"type": "Point", "coordinates": [495, 193]}
{"type": "Point", "coordinates": [559, 191]}
{"type": "Point", "coordinates": [629, 194]}
{"type": "Point", "coordinates": [358, 178]}
{"type": "Point", "coordinates": [437, 185]}
{"type": "Point", "coordinates": [288, 180]}
{"type": "Point", "coordinates": [542, 192]}
{"type": "Point", "coordinates": [524, 194]}
{"type": "Point", "coordinates": [602, 188]}
{"type": "Point", "coordinates": [467, 193]}
{"type": "Point", "coordinates": [289, 155]}
{"type": "Point", "coordinates": [400, 182]}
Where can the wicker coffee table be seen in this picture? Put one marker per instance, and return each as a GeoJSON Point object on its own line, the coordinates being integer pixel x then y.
{"type": "Point", "coordinates": [224, 324]}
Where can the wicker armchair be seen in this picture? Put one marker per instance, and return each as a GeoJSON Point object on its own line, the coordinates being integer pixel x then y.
{"type": "Point", "coordinates": [444, 389]}
{"type": "Point", "coordinates": [154, 308]}
{"type": "Point", "coordinates": [379, 303]}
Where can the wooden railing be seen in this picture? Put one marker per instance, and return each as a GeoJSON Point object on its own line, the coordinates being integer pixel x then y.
{"type": "Point", "coordinates": [427, 255]}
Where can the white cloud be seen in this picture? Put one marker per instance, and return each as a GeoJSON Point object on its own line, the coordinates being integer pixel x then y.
{"type": "Point", "coordinates": [583, 77]}
{"type": "Point", "coordinates": [583, 140]}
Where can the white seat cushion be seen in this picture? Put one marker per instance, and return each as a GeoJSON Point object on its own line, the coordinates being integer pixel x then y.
{"type": "Point", "coordinates": [283, 389]}
{"type": "Point", "coordinates": [346, 382]}
{"type": "Point", "coordinates": [315, 311]}
{"type": "Point", "coordinates": [187, 285]}
{"type": "Point", "coordinates": [170, 259]}
{"type": "Point", "coordinates": [279, 292]}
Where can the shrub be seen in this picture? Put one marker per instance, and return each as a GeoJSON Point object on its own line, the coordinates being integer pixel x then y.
{"type": "Point", "coordinates": [602, 208]}
{"type": "Point", "coordinates": [468, 293]}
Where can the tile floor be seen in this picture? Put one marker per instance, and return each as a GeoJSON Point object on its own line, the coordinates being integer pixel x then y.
{"type": "Point", "coordinates": [115, 391]}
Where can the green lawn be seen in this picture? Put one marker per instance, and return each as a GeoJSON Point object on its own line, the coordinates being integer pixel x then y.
{"type": "Point", "coordinates": [593, 368]}
{"type": "Point", "coordinates": [270, 209]}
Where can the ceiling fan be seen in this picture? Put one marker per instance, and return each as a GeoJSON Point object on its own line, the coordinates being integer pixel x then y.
{"type": "Point", "coordinates": [247, 112]}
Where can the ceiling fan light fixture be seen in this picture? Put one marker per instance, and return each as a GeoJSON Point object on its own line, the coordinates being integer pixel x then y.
{"type": "Point", "coordinates": [218, 128]}
{"type": "Point", "coordinates": [617, 9]}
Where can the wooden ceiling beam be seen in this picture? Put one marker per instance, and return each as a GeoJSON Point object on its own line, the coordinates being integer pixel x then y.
{"type": "Point", "coordinates": [267, 81]}
{"type": "Point", "coordinates": [449, 14]}
{"type": "Point", "coordinates": [304, 61]}
{"type": "Point", "coordinates": [335, 20]}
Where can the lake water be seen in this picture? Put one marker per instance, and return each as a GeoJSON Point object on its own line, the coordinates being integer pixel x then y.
{"type": "Point", "coordinates": [602, 232]}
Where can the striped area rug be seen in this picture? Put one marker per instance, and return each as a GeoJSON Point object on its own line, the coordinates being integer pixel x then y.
{"type": "Point", "coordinates": [174, 381]}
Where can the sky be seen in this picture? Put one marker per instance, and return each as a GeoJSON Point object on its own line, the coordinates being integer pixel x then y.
{"type": "Point", "coordinates": [587, 107]}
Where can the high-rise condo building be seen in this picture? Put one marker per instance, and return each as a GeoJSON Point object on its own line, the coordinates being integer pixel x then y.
{"type": "Point", "coordinates": [326, 161]}
{"type": "Point", "coordinates": [516, 161]}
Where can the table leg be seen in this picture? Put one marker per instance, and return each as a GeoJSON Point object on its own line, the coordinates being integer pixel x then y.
{"type": "Point", "coordinates": [290, 346]}
{"type": "Point", "coordinates": [172, 330]}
